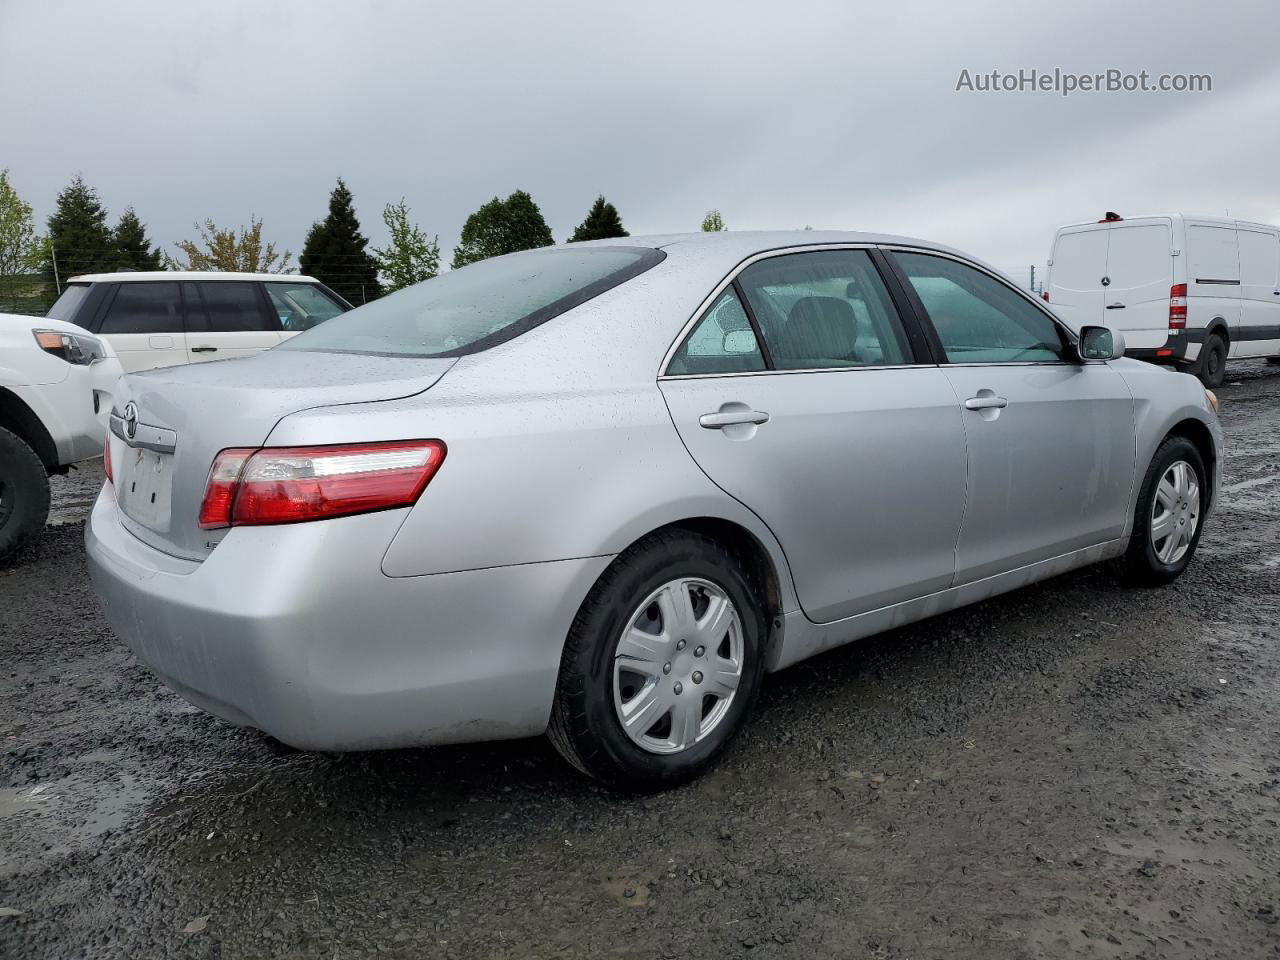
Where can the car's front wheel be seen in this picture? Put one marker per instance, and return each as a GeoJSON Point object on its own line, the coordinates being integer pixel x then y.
{"type": "Point", "coordinates": [1167, 522]}
{"type": "Point", "coordinates": [662, 665]}
{"type": "Point", "coordinates": [24, 493]}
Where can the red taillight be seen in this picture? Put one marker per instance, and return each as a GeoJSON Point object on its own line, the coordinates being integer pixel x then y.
{"type": "Point", "coordinates": [106, 456]}
{"type": "Point", "coordinates": [1044, 294]}
{"type": "Point", "coordinates": [292, 484]}
{"type": "Point", "coordinates": [1178, 306]}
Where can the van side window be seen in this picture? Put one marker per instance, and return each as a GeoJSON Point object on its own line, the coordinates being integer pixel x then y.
{"type": "Point", "coordinates": [1259, 261]}
{"type": "Point", "coordinates": [978, 318]}
{"type": "Point", "coordinates": [225, 306]}
{"type": "Point", "coordinates": [142, 307]}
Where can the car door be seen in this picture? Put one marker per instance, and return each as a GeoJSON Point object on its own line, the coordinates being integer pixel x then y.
{"type": "Point", "coordinates": [803, 393]}
{"type": "Point", "coordinates": [227, 318]}
{"type": "Point", "coordinates": [1259, 333]}
{"type": "Point", "coordinates": [1051, 444]}
{"type": "Point", "coordinates": [142, 320]}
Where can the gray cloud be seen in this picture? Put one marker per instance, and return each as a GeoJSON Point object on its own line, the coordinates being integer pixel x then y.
{"type": "Point", "coordinates": [831, 114]}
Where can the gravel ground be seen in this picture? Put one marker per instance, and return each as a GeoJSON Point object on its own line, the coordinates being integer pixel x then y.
{"type": "Point", "coordinates": [1077, 769]}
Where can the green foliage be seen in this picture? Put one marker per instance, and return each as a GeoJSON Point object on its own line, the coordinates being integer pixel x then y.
{"type": "Point", "coordinates": [20, 248]}
{"type": "Point", "coordinates": [335, 252]}
{"type": "Point", "coordinates": [502, 226]}
{"type": "Point", "coordinates": [713, 222]}
{"type": "Point", "coordinates": [602, 223]}
{"type": "Point", "coordinates": [241, 251]}
{"type": "Point", "coordinates": [135, 250]}
{"type": "Point", "coordinates": [79, 236]}
{"type": "Point", "coordinates": [412, 256]}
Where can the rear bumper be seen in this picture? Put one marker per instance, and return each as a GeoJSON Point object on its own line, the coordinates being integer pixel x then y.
{"type": "Point", "coordinates": [1176, 350]}
{"type": "Point", "coordinates": [295, 630]}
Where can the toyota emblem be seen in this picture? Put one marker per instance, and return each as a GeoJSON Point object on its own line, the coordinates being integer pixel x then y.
{"type": "Point", "coordinates": [130, 420]}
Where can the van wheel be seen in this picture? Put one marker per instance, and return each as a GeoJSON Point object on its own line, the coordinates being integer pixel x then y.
{"type": "Point", "coordinates": [1213, 361]}
{"type": "Point", "coordinates": [1167, 519]}
{"type": "Point", "coordinates": [24, 493]}
{"type": "Point", "coordinates": [662, 664]}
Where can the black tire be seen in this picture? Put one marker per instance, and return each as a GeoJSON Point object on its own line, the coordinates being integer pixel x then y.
{"type": "Point", "coordinates": [1213, 361]}
{"type": "Point", "coordinates": [585, 727]}
{"type": "Point", "coordinates": [24, 494]}
{"type": "Point", "coordinates": [1142, 564]}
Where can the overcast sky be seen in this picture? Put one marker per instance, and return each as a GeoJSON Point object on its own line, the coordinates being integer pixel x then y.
{"type": "Point", "coordinates": [836, 115]}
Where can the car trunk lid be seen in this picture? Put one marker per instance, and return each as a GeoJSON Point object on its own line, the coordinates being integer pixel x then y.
{"type": "Point", "coordinates": [169, 424]}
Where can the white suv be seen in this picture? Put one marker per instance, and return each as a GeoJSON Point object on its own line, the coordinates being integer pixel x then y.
{"type": "Point", "coordinates": [55, 398]}
{"type": "Point", "coordinates": [166, 318]}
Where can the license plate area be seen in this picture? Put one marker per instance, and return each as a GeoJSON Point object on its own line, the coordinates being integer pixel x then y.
{"type": "Point", "coordinates": [146, 487]}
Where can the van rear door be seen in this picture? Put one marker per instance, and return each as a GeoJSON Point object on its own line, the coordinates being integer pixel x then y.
{"type": "Point", "coordinates": [1139, 275]}
{"type": "Point", "coordinates": [1075, 274]}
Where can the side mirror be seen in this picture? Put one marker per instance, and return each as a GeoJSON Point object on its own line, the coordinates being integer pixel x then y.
{"type": "Point", "coordinates": [1100, 343]}
{"type": "Point", "coordinates": [739, 342]}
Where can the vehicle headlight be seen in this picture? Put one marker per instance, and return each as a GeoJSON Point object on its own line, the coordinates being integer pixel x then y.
{"type": "Point", "coordinates": [77, 348]}
{"type": "Point", "coordinates": [1211, 399]}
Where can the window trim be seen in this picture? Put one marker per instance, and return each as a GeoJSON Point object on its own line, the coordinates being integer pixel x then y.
{"type": "Point", "coordinates": [1071, 349]}
{"type": "Point", "coordinates": [917, 343]}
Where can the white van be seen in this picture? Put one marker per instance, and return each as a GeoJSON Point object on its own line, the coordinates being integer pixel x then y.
{"type": "Point", "coordinates": [171, 317]}
{"type": "Point", "coordinates": [1187, 291]}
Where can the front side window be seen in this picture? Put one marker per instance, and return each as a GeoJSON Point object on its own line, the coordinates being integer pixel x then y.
{"type": "Point", "coordinates": [144, 308]}
{"type": "Point", "coordinates": [722, 341]}
{"type": "Point", "coordinates": [825, 309]}
{"type": "Point", "coordinates": [480, 305]}
{"type": "Point", "coordinates": [978, 318]}
{"type": "Point", "coordinates": [225, 306]}
{"type": "Point", "coordinates": [300, 306]}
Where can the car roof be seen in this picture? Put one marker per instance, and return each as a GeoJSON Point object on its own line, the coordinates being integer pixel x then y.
{"type": "Point", "coordinates": [138, 276]}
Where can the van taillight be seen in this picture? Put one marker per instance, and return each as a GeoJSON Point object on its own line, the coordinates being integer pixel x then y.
{"type": "Point", "coordinates": [1044, 294]}
{"type": "Point", "coordinates": [293, 484]}
{"type": "Point", "coordinates": [1178, 306]}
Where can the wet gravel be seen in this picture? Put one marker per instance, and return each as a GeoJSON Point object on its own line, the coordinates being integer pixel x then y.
{"type": "Point", "coordinates": [1078, 769]}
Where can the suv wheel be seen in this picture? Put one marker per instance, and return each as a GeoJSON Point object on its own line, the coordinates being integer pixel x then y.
{"type": "Point", "coordinates": [24, 493]}
{"type": "Point", "coordinates": [1166, 526]}
{"type": "Point", "coordinates": [662, 664]}
{"type": "Point", "coordinates": [1213, 361]}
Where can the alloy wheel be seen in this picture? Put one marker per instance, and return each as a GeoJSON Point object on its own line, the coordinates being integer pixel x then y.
{"type": "Point", "coordinates": [677, 665]}
{"type": "Point", "coordinates": [1175, 512]}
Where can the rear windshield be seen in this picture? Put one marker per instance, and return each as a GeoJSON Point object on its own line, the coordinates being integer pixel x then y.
{"type": "Point", "coordinates": [65, 307]}
{"type": "Point", "coordinates": [480, 305]}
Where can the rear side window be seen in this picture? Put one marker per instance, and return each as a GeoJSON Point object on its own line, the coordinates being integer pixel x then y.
{"type": "Point", "coordinates": [722, 342]}
{"type": "Point", "coordinates": [978, 318]}
{"type": "Point", "coordinates": [144, 308]}
{"type": "Point", "coordinates": [225, 306]}
{"type": "Point", "coordinates": [66, 306]}
{"type": "Point", "coordinates": [1259, 259]}
{"type": "Point", "coordinates": [826, 309]}
{"type": "Point", "coordinates": [480, 305]}
{"type": "Point", "coordinates": [300, 306]}
{"type": "Point", "coordinates": [1212, 256]}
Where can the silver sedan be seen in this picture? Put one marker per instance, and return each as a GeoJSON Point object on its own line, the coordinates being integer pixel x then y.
{"type": "Point", "coordinates": [600, 490]}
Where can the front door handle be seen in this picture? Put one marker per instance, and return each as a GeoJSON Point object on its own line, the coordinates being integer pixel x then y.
{"type": "Point", "coordinates": [717, 421]}
{"type": "Point", "coordinates": [1115, 306]}
{"type": "Point", "coordinates": [986, 403]}
{"type": "Point", "coordinates": [204, 349]}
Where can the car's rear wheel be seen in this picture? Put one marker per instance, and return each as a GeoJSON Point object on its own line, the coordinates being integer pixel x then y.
{"type": "Point", "coordinates": [24, 493]}
{"type": "Point", "coordinates": [1213, 361]}
{"type": "Point", "coordinates": [662, 665]}
{"type": "Point", "coordinates": [1167, 523]}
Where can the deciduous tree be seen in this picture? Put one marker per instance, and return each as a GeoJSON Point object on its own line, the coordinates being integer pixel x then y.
{"type": "Point", "coordinates": [502, 226]}
{"type": "Point", "coordinates": [20, 248]}
{"type": "Point", "coordinates": [713, 222]}
{"type": "Point", "coordinates": [232, 249]}
{"type": "Point", "coordinates": [412, 256]}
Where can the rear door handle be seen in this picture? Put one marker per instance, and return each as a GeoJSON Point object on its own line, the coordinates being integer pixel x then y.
{"type": "Point", "coordinates": [1115, 306]}
{"type": "Point", "coordinates": [204, 349]}
{"type": "Point", "coordinates": [716, 421]}
{"type": "Point", "coordinates": [986, 403]}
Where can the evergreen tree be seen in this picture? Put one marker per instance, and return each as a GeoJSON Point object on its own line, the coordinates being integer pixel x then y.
{"type": "Point", "coordinates": [502, 226]}
{"type": "Point", "coordinates": [412, 256]}
{"type": "Point", "coordinates": [335, 251]}
{"type": "Point", "coordinates": [135, 250]}
{"type": "Point", "coordinates": [79, 236]}
{"type": "Point", "coordinates": [602, 222]}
